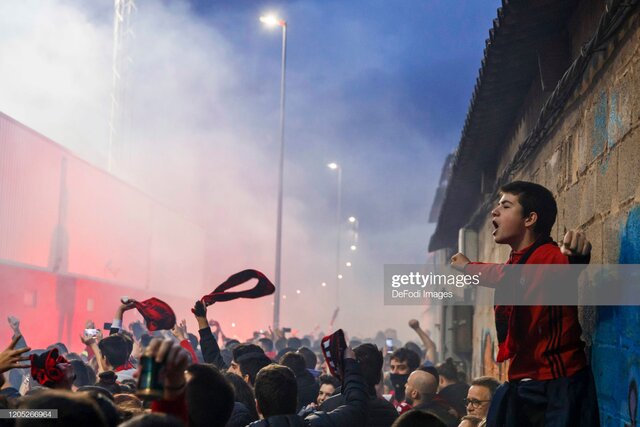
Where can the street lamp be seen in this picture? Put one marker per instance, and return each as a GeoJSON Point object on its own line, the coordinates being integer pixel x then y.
{"type": "Point", "coordinates": [272, 21]}
{"type": "Point", "coordinates": [335, 166]}
{"type": "Point", "coordinates": [355, 225]}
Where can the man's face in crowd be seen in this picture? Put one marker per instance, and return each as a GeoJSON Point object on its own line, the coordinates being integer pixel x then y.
{"type": "Point", "coordinates": [235, 368]}
{"type": "Point", "coordinates": [508, 223]}
{"type": "Point", "coordinates": [409, 390]}
{"type": "Point", "coordinates": [326, 391]}
{"type": "Point", "coordinates": [478, 400]}
{"type": "Point", "coordinates": [398, 367]}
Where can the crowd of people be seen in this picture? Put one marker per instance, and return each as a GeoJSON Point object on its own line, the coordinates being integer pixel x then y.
{"type": "Point", "coordinates": [152, 376]}
{"type": "Point", "coordinates": [210, 380]}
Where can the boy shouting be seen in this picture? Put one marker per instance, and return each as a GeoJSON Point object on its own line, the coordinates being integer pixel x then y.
{"type": "Point", "coordinates": [549, 382]}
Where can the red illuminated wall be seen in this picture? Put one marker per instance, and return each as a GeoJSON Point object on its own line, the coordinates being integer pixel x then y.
{"type": "Point", "coordinates": [74, 238]}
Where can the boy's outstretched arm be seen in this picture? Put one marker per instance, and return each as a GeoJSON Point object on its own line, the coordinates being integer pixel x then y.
{"type": "Point", "coordinates": [492, 274]}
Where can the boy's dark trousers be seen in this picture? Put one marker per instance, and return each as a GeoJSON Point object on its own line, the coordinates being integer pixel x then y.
{"type": "Point", "coordinates": [563, 402]}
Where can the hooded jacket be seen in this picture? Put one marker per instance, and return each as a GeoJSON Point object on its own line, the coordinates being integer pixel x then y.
{"type": "Point", "coordinates": [353, 413]}
{"type": "Point", "coordinates": [380, 412]}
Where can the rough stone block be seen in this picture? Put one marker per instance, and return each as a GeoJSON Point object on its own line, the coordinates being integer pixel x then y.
{"type": "Point", "coordinates": [594, 233]}
{"type": "Point", "coordinates": [587, 198]}
{"type": "Point", "coordinates": [611, 237]}
{"type": "Point", "coordinates": [580, 147]}
{"type": "Point", "coordinates": [629, 166]}
{"type": "Point", "coordinates": [571, 206]}
{"type": "Point", "coordinates": [606, 176]}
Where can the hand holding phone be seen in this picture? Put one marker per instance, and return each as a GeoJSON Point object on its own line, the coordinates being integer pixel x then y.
{"type": "Point", "coordinates": [389, 344]}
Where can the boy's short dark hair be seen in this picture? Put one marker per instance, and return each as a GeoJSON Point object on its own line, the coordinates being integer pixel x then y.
{"type": "Point", "coordinates": [310, 358]}
{"type": "Point", "coordinates": [83, 372]}
{"type": "Point", "coordinates": [371, 361]}
{"type": "Point", "coordinates": [448, 370]}
{"type": "Point", "coordinates": [250, 358]}
{"type": "Point", "coordinates": [295, 362]}
{"type": "Point", "coordinates": [488, 382]}
{"type": "Point", "coordinates": [209, 397]}
{"type": "Point", "coordinates": [405, 355]}
{"type": "Point", "coordinates": [328, 379]}
{"type": "Point", "coordinates": [294, 343]}
{"type": "Point", "coordinates": [243, 393]}
{"type": "Point", "coordinates": [535, 198]}
{"type": "Point", "coordinates": [116, 349]}
{"type": "Point", "coordinates": [74, 409]}
{"type": "Point", "coordinates": [266, 344]}
{"type": "Point", "coordinates": [106, 405]}
{"type": "Point", "coordinates": [276, 391]}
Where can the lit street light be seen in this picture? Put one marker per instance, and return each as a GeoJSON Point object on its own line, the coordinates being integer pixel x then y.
{"type": "Point", "coordinates": [272, 21]}
{"type": "Point", "coordinates": [355, 225]}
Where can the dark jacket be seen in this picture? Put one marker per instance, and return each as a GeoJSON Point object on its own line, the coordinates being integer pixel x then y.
{"type": "Point", "coordinates": [308, 389]}
{"type": "Point", "coordinates": [454, 395]}
{"type": "Point", "coordinates": [240, 416]}
{"type": "Point", "coordinates": [352, 414]}
{"type": "Point", "coordinates": [210, 349]}
{"type": "Point", "coordinates": [380, 412]}
{"type": "Point", "coordinates": [441, 409]}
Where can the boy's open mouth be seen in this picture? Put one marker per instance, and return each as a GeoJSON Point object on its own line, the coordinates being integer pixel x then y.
{"type": "Point", "coordinates": [495, 226]}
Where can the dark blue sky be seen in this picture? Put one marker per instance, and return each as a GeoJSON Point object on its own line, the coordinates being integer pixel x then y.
{"type": "Point", "coordinates": [382, 87]}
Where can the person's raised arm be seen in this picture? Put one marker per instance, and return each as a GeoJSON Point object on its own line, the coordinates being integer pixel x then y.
{"type": "Point", "coordinates": [116, 325]}
{"type": "Point", "coordinates": [14, 324]}
{"type": "Point", "coordinates": [11, 357]}
{"type": "Point", "coordinates": [208, 342]}
{"type": "Point", "coordinates": [492, 274]}
{"type": "Point", "coordinates": [428, 343]}
{"type": "Point", "coordinates": [92, 343]}
{"type": "Point", "coordinates": [180, 332]}
{"type": "Point", "coordinates": [354, 410]}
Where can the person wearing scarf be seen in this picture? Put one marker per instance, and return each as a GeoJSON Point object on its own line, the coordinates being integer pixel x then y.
{"type": "Point", "coordinates": [52, 370]}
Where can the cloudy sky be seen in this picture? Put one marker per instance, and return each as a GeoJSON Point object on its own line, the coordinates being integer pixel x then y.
{"type": "Point", "coordinates": [381, 87]}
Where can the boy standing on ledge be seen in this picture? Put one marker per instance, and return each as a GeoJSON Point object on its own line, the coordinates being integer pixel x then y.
{"type": "Point", "coordinates": [549, 382]}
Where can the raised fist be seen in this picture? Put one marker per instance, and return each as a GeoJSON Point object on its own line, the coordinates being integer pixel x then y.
{"type": "Point", "coordinates": [459, 261]}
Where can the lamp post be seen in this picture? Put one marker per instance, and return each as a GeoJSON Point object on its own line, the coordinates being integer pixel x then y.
{"type": "Point", "coordinates": [355, 225]}
{"type": "Point", "coordinates": [272, 21]}
{"type": "Point", "coordinates": [335, 166]}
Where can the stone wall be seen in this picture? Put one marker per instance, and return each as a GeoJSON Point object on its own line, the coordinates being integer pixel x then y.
{"type": "Point", "coordinates": [591, 162]}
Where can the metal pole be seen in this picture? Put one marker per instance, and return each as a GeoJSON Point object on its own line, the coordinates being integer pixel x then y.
{"type": "Point", "coordinates": [338, 223]}
{"type": "Point", "coordinates": [276, 305]}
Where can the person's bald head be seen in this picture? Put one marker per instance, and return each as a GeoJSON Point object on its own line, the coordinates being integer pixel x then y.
{"type": "Point", "coordinates": [421, 387]}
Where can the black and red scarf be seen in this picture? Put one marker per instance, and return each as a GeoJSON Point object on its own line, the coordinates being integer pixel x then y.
{"type": "Point", "coordinates": [48, 368]}
{"type": "Point", "coordinates": [157, 314]}
{"type": "Point", "coordinates": [263, 288]}
{"type": "Point", "coordinates": [333, 347]}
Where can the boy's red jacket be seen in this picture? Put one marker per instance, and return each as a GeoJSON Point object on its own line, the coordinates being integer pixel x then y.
{"type": "Point", "coordinates": [542, 341]}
